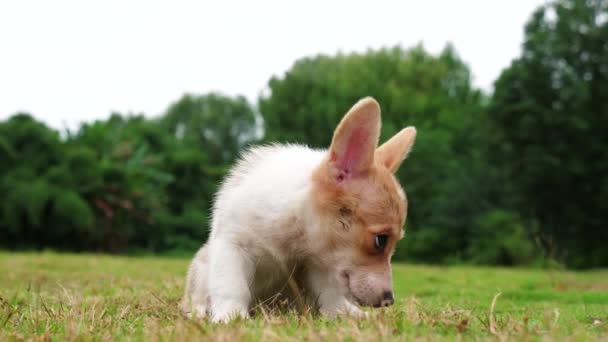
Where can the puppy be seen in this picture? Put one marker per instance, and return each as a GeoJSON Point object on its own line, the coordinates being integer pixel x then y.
{"type": "Point", "coordinates": [327, 219]}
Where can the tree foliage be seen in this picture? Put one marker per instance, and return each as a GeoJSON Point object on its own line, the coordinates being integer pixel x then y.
{"type": "Point", "coordinates": [124, 184]}
{"type": "Point", "coordinates": [550, 116]}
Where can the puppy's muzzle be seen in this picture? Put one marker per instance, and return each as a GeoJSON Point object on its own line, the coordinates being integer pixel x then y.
{"type": "Point", "coordinates": [386, 300]}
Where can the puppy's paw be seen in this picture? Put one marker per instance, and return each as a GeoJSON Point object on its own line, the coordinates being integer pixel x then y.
{"type": "Point", "coordinates": [199, 312]}
{"type": "Point", "coordinates": [227, 313]}
{"type": "Point", "coordinates": [357, 313]}
{"type": "Point", "coordinates": [229, 316]}
{"type": "Point", "coordinates": [347, 309]}
{"type": "Point", "coordinates": [192, 310]}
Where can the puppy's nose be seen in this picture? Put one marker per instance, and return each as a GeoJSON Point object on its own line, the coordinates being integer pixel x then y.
{"type": "Point", "coordinates": [387, 298]}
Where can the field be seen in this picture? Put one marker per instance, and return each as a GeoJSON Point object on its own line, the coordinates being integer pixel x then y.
{"type": "Point", "coordinates": [97, 297]}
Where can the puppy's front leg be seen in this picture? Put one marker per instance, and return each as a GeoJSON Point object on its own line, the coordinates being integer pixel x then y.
{"type": "Point", "coordinates": [230, 274]}
{"type": "Point", "coordinates": [331, 298]}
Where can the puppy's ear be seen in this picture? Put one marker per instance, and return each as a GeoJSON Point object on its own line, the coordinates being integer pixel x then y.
{"type": "Point", "coordinates": [395, 150]}
{"type": "Point", "coordinates": [355, 140]}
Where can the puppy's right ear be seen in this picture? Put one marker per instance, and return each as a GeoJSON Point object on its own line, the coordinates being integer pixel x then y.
{"type": "Point", "coordinates": [355, 139]}
{"type": "Point", "coordinates": [392, 153]}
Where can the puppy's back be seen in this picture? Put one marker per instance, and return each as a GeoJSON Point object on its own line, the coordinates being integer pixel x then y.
{"type": "Point", "coordinates": [263, 186]}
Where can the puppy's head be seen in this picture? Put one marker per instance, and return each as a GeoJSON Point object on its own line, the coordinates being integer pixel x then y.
{"type": "Point", "coordinates": [361, 204]}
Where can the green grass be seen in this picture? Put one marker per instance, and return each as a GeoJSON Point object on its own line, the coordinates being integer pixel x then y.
{"type": "Point", "coordinates": [98, 297]}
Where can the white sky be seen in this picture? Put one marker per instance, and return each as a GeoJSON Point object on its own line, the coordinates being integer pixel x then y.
{"type": "Point", "coordinates": [72, 61]}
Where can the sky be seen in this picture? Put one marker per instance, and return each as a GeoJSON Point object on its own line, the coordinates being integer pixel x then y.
{"type": "Point", "coordinates": [66, 62]}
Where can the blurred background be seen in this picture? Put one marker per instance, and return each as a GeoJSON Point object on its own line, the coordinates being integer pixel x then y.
{"type": "Point", "coordinates": [119, 119]}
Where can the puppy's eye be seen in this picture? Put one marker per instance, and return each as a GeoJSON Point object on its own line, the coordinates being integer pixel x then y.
{"type": "Point", "coordinates": [380, 242]}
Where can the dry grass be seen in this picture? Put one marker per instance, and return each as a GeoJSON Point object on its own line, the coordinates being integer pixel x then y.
{"type": "Point", "coordinates": [91, 297]}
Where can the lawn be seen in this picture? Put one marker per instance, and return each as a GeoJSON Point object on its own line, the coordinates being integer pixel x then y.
{"type": "Point", "coordinates": [98, 297]}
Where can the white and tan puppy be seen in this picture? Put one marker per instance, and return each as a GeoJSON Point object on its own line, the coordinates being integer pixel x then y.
{"type": "Point", "coordinates": [329, 219]}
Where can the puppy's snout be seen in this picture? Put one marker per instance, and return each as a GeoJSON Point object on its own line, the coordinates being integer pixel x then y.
{"type": "Point", "coordinates": [387, 298]}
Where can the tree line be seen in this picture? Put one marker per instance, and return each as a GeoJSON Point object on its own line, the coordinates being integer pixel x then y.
{"type": "Point", "coordinates": [518, 176]}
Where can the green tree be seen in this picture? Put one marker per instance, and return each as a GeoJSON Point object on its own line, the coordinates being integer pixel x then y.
{"type": "Point", "coordinates": [550, 116]}
{"type": "Point", "coordinates": [112, 167]}
{"type": "Point", "coordinates": [216, 124]}
{"type": "Point", "coordinates": [123, 184]}
{"type": "Point", "coordinates": [28, 149]}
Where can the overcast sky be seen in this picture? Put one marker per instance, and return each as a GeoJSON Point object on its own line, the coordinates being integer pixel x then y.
{"type": "Point", "coordinates": [72, 61]}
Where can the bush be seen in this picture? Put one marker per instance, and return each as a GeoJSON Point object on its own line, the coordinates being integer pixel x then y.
{"type": "Point", "coordinates": [498, 237]}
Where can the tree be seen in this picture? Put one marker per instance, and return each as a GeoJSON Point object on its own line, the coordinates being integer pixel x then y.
{"type": "Point", "coordinates": [550, 117]}
{"type": "Point", "coordinates": [122, 179]}
{"type": "Point", "coordinates": [28, 149]}
{"type": "Point", "coordinates": [123, 184]}
{"type": "Point", "coordinates": [218, 125]}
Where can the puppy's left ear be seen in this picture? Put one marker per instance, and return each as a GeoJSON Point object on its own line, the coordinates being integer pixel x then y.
{"type": "Point", "coordinates": [396, 149]}
{"type": "Point", "coordinates": [355, 140]}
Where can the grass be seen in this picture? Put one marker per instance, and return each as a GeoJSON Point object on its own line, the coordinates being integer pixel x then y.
{"type": "Point", "coordinates": [61, 297]}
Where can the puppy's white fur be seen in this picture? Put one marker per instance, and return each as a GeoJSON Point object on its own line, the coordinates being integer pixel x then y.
{"type": "Point", "coordinates": [266, 229]}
